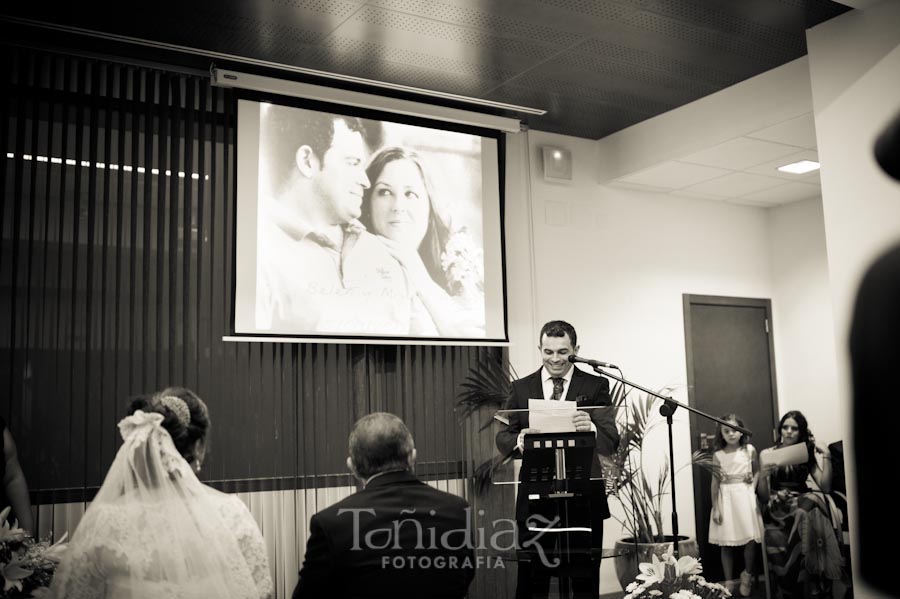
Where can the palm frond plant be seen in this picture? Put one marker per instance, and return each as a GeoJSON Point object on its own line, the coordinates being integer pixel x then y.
{"type": "Point", "coordinates": [639, 490]}
{"type": "Point", "coordinates": [486, 385]}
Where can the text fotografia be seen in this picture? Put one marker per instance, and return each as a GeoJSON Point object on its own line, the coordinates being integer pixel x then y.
{"type": "Point", "coordinates": [409, 534]}
{"type": "Point", "coordinates": [440, 562]}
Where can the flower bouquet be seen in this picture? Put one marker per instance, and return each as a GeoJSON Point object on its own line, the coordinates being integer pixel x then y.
{"type": "Point", "coordinates": [668, 578]}
{"type": "Point", "coordinates": [463, 265]}
{"type": "Point", "coordinates": [26, 565]}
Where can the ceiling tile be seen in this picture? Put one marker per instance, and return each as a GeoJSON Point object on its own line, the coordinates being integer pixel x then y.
{"type": "Point", "coordinates": [735, 185]}
{"type": "Point", "coordinates": [696, 195]}
{"type": "Point", "coordinates": [639, 187]}
{"type": "Point", "coordinates": [799, 131]}
{"type": "Point", "coordinates": [673, 175]}
{"type": "Point", "coordinates": [746, 202]}
{"type": "Point", "coordinates": [770, 168]}
{"type": "Point", "coordinates": [740, 153]}
{"type": "Point", "coordinates": [785, 193]}
{"type": "Point", "coordinates": [813, 177]}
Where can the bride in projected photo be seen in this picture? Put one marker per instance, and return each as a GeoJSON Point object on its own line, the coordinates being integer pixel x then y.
{"type": "Point", "coordinates": [443, 265]}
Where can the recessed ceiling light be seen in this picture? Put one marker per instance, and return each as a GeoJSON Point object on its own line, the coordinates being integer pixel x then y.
{"type": "Point", "coordinates": [798, 168]}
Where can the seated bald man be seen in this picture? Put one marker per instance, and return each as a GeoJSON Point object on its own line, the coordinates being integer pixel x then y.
{"type": "Point", "coordinates": [398, 537]}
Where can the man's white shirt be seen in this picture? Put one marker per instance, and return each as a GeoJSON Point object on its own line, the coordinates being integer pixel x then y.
{"type": "Point", "coordinates": [547, 386]}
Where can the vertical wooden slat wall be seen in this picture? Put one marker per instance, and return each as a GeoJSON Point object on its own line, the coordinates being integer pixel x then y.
{"type": "Point", "coordinates": [116, 258]}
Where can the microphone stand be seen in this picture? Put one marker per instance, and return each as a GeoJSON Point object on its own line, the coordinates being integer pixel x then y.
{"type": "Point", "coordinates": [667, 409]}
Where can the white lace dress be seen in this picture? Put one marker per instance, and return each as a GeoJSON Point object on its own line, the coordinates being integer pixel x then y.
{"type": "Point", "coordinates": [127, 557]}
{"type": "Point", "coordinates": [741, 521]}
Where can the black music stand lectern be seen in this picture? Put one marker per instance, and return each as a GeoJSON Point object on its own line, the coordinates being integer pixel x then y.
{"type": "Point", "coordinates": [559, 539]}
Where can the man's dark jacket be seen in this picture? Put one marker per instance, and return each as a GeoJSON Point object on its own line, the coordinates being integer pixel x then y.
{"type": "Point", "coordinates": [586, 390]}
{"type": "Point", "coordinates": [344, 560]}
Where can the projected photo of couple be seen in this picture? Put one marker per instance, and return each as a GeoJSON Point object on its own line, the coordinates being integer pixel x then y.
{"type": "Point", "coordinates": [367, 227]}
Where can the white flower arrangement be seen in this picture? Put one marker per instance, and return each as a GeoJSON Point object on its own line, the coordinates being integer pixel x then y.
{"type": "Point", "coordinates": [674, 579]}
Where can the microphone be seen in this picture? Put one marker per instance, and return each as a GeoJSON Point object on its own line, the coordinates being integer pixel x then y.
{"type": "Point", "coordinates": [595, 363]}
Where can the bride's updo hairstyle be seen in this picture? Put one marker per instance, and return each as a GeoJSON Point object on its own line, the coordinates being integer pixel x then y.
{"type": "Point", "coordinates": [185, 417]}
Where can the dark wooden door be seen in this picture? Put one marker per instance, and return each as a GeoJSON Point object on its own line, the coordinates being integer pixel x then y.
{"type": "Point", "coordinates": [730, 369]}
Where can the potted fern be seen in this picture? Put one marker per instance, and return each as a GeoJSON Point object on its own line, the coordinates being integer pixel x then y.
{"type": "Point", "coordinates": [486, 385]}
{"type": "Point", "coordinates": [639, 489]}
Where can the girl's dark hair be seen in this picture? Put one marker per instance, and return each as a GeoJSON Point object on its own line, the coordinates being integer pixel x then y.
{"type": "Point", "coordinates": [185, 436]}
{"type": "Point", "coordinates": [720, 440]}
{"type": "Point", "coordinates": [805, 435]}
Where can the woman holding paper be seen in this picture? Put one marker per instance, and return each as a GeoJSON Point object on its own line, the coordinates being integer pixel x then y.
{"type": "Point", "coordinates": [803, 528]}
{"type": "Point", "coordinates": [794, 429]}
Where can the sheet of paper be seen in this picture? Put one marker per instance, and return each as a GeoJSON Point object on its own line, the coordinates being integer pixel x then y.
{"type": "Point", "coordinates": [785, 456]}
{"type": "Point", "coordinates": [551, 416]}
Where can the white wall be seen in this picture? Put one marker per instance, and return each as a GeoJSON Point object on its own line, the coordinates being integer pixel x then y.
{"type": "Point", "coordinates": [801, 296]}
{"type": "Point", "coordinates": [854, 65]}
{"type": "Point", "coordinates": [615, 264]}
{"type": "Point", "coordinates": [519, 255]}
{"type": "Point", "coordinates": [802, 317]}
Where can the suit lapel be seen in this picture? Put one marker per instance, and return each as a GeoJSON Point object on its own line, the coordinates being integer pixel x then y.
{"type": "Point", "coordinates": [574, 385]}
{"type": "Point", "coordinates": [535, 386]}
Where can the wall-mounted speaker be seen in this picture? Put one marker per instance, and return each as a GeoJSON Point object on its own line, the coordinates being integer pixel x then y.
{"type": "Point", "coordinates": [557, 164]}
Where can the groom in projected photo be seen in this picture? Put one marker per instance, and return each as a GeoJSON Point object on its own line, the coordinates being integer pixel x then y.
{"type": "Point", "coordinates": [318, 270]}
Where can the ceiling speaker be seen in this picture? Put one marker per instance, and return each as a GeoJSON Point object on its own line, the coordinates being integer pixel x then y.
{"type": "Point", "coordinates": [557, 163]}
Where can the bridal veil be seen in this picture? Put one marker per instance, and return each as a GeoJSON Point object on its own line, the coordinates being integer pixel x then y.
{"type": "Point", "coordinates": [154, 530]}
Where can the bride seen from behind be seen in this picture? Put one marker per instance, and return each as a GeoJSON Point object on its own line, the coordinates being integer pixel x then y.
{"type": "Point", "coordinates": [154, 530]}
{"type": "Point", "coordinates": [442, 263]}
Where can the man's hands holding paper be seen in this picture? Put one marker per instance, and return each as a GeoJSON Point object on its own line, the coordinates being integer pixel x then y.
{"type": "Point", "coordinates": [581, 423]}
{"type": "Point", "coordinates": [520, 442]}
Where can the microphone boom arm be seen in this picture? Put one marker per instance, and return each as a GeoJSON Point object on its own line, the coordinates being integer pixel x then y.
{"type": "Point", "coordinates": [592, 363]}
{"type": "Point", "coordinates": [671, 403]}
{"type": "Point", "coordinates": [667, 409]}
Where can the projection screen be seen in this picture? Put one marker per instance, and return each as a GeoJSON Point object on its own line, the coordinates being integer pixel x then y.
{"type": "Point", "coordinates": [352, 224]}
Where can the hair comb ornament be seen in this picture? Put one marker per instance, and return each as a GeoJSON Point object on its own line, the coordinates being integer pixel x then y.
{"type": "Point", "coordinates": [178, 407]}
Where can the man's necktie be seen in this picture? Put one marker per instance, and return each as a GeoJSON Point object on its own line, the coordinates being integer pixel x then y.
{"type": "Point", "coordinates": [557, 387]}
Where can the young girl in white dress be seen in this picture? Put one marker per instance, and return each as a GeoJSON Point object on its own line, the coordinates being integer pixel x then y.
{"type": "Point", "coordinates": [735, 519]}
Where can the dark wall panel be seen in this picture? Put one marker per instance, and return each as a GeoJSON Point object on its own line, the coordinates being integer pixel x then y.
{"type": "Point", "coordinates": [115, 279]}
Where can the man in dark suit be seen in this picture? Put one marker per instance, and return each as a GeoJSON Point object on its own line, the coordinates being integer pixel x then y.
{"type": "Point", "coordinates": [558, 379]}
{"type": "Point", "coordinates": [398, 537]}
